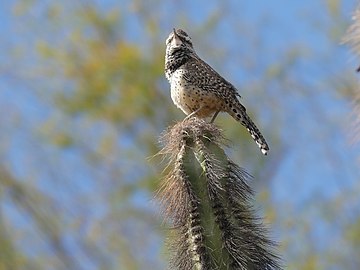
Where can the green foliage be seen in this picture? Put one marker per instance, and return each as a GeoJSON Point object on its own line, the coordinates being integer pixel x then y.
{"type": "Point", "coordinates": [106, 103]}
{"type": "Point", "coordinates": [112, 79]}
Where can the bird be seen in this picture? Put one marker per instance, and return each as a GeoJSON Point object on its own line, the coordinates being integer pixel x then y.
{"type": "Point", "coordinates": [198, 90]}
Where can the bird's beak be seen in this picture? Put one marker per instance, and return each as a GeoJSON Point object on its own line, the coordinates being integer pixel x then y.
{"type": "Point", "coordinates": [176, 40]}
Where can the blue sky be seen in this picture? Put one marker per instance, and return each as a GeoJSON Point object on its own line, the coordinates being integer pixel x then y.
{"type": "Point", "coordinates": [318, 162]}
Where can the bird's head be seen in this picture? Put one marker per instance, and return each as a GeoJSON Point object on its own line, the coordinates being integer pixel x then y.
{"type": "Point", "coordinates": [177, 40]}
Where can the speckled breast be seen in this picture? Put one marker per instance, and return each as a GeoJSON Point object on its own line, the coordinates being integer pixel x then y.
{"type": "Point", "coordinates": [188, 97]}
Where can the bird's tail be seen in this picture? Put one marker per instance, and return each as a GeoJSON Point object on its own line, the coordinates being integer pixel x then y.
{"type": "Point", "coordinates": [239, 113]}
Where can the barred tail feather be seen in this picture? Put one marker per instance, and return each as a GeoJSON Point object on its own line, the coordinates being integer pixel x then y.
{"type": "Point", "coordinates": [239, 113]}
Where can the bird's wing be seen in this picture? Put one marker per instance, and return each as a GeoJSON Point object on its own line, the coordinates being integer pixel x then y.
{"type": "Point", "coordinates": [208, 79]}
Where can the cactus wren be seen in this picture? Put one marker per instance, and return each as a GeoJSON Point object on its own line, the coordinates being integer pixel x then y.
{"type": "Point", "coordinates": [197, 89]}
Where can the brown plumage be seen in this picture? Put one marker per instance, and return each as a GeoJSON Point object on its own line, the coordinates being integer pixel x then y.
{"type": "Point", "coordinates": [198, 90]}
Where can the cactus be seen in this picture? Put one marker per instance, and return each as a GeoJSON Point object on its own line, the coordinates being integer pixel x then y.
{"type": "Point", "coordinates": [206, 199]}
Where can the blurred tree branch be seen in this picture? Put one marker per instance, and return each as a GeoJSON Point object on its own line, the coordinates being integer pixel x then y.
{"type": "Point", "coordinates": [42, 212]}
{"type": "Point", "coordinates": [352, 38]}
